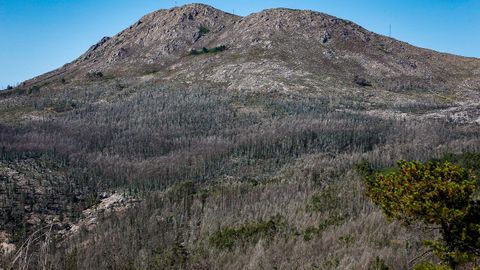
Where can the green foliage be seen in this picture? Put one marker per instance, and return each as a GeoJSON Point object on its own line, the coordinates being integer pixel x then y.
{"type": "Point", "coordinates": [470, 161]}
{"type": "Point", "coordinates": [431, 192]}
{"type": "Point", "coordinates": [208, 50]}
{"type": "Point", "coordinates": [364, 168]}
{"type": "Point", "coordinates": [323, 201]}
{"type": "Point", "coordinates": [438, 194]}
{"type": "Point", "coordinates": [218, 49]}
{"type": "Point", "coordinates": [230, 237]}
{"type": "Point", "coordinates": [310, 232]}
{"type": "Point", "coordinates": [430, 266]}
{"type": "Point", "coordinates": [203, 30]}
{"type": "Point", "coordinates": [334, 219]}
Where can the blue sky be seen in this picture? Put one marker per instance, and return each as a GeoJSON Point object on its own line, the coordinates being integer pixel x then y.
{"type": "Point", "coordinates": [40, 35]}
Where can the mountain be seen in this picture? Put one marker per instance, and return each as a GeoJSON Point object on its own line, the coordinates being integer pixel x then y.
{"type": "Point", "coordinates": [198, 139]}
{"type": "Point", "coordinates": [308, 47]}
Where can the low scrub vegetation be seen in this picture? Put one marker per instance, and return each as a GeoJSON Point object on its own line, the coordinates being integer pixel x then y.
{"type": "Point", "coordinates": [250, 233]}
{"type": "Point", "coordinates": [205, 50]}
{"type": "Point", "coordinates": [203, 30]}
{"type": "Point", "coordinates": [333, 220]}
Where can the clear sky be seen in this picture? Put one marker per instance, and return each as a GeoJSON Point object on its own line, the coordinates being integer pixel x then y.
{"type": "Point", "coordinates": [40, 35]}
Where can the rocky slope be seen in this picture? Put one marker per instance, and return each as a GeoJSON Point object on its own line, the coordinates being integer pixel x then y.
{"type": "Point", "coordinates": [313, 49]}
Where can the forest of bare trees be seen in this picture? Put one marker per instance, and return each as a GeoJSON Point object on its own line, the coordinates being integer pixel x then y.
{"type": "Point", "coordinates": [224, 179]}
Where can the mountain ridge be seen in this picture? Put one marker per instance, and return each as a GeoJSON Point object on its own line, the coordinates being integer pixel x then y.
{"type": "Point", "coordinates": [165, 37]}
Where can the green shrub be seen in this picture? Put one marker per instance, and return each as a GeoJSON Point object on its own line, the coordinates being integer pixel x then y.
{"type": "Point", "coordinates": [230, 237]}
{"type": "Point", "coordinates": [218, 49]}
{"type": "Point", "coordinates": [430, 266]}
{"type": "Point", "coordinates": [470, 161]}
{"type": "Point", "coordinates": [440, 194]}
{"type": "Point", "coordinates": [323, 201]}
{"type": "Point", "coordinates": [310, 232]}
{"type": "Point", "coordinates": [207, 50]}
{"type": "Point", "coordinates": [203, 30]}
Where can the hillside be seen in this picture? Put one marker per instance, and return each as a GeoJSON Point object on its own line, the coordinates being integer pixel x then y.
{"type": "Point", "coordinates": [198, 139]}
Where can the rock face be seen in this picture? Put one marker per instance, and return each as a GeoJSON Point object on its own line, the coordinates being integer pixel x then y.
{"type": "Point", "coordinates": [310, 43]}
{"type": "Point", "coordinates": [158, 38]}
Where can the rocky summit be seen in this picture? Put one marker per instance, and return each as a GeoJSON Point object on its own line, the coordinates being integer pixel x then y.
{"type": "Point", "coordinates": [309, 47]}
{"type": "Point", "coordinates": [199, 139]}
